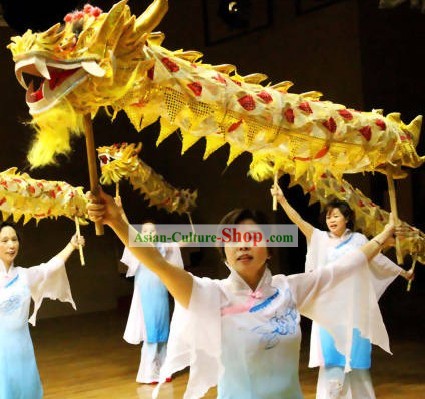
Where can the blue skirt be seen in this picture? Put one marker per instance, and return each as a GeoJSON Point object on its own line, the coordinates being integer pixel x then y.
{"type": "Point", "coordinates": [155, 305]}
{"type": "Point", "coordinates": [360, 351]}
{"type": "Point", "coordinates": [19, 377]}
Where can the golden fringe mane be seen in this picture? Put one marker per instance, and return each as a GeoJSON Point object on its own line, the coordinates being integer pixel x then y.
{"type": "Point", "coordinates": [54, 129]}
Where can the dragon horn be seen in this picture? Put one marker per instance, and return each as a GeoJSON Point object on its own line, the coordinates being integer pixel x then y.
{"type": "Point", "coordinates": [151, 18]}
{"type": "Point", "coordinates": [414, 128]}
{"type": "Point", "coordinates": [110, 26]}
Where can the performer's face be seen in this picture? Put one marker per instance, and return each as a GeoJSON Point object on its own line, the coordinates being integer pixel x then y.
{"type": "Point", "coordinates": [9, 245]}
{"type": "Point", "coordinates": [336, 222]}
{"type": "Point", "coordinates": [247, 258]}
{"type": "Point", "coordinates": [148, 229]}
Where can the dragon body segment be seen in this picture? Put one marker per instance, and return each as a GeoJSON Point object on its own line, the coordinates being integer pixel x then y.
{"type": "Point", "coordinates": [121, 161]}
{"type": "Point", "coordinates": [113, 60]}
{"type": "Point", "coordinates": [23, 196]}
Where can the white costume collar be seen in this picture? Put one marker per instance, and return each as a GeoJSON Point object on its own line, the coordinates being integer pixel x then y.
{"type": "Point", "coordinates": [346, 233]}
{"type": "Point", "coordinates": [237, 284]}
{"type": "Point", "coordinates": [3, 268]}
{"type": "Point", "coordinates": [6, 276]}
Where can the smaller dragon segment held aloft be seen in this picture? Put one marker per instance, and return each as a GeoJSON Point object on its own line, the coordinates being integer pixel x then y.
{"type": "Point", "coordinates": [121, 161]}
{"type": "Point", "coordinates": [23, 196]}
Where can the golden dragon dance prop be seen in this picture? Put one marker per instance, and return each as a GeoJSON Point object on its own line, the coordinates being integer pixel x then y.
{"type": "Point", "coordinates": [95, 59]}
{"type": "Point", "coordinates": [23, 196]}
{"type": "Point", "coordinates": [113, 60]}
{"type": "Point", "coordinates": [121, 161]}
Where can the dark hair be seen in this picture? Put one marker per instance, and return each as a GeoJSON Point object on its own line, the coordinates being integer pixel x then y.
{"type": "Point", "coordinates": [13, 226]}
{"type": "Point", "coordinates": [344, 208]}
{"type": "Point", "coordinates": [237, 216]}
{"type": "Point", "coordinates": [148, 220]}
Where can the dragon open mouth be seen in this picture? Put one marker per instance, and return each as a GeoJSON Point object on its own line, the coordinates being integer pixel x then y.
{"type": "Point", "coordinates": [50, 81]}
{"type": "Point", "coordinates": [104, 159]}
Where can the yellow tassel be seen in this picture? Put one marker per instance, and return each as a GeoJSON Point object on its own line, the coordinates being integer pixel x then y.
{"type": "Point", "coordinates": [54, 129]}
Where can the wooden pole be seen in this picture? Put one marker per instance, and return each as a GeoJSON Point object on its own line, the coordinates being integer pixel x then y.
{"type": "Point", "coordinates": [274, 196]}
{"type": "Point", "coordinates": [393, 204]}
{"type": "Point", "coordinates": [92, 164]}
{"type": "Point", "coordinates": [80, 248]}
{"type": "Point", "coordinates": [409, 284]}
{"type": "Point", "coordinates": [191, 222]}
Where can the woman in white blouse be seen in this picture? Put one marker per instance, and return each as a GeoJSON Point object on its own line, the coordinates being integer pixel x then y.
{"type": "Point", "coordinates": [324, 247]}
{"type": "Point", "coordinates": [19, 377]}
{"type": "Point", "coordinates": [243, 333]}
{"type": "Point", "coordinates": [149, 316]}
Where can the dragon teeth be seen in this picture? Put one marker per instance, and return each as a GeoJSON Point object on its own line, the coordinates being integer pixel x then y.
{"type": "Point", "coordinates": [40, 64]}
{"type": "Point", "coordinates": [20, 78]}
{"type": "Point", "coordinates": [93, 68]}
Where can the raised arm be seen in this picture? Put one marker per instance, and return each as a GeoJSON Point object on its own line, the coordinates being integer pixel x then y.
{"type": "Point", "coordinates": [178, 282]}
{"type": "Point", "coordinates": [72, 244]}
{"type": "Point", "coordinates": [118, 203]}
{"type": "Point", "coordinates": [384, 239]}
{"type": "Point", "coordinates": [309, 286]}
{"type": "Point", "coordinates": [305, 227]}
{"type": "Point", "coordinates": [408, 274]}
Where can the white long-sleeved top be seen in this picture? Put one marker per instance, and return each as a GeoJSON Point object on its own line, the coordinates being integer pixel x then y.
{"type": "Point", "coordinates": [248, 342]}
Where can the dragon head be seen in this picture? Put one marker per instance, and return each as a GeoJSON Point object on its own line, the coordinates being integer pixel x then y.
{"type": "Point", "coordinates": [88, 61]}
{"type": "Point", "coordinates": [118, 161]}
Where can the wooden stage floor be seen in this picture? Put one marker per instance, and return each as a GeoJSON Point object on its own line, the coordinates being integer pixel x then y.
{"type": "Point", "coordinates": [85, 357]}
